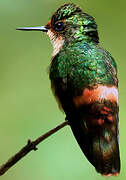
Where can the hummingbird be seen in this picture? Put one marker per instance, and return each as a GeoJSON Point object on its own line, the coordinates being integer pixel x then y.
{"type": "Point", "coordinates": [84, 81]}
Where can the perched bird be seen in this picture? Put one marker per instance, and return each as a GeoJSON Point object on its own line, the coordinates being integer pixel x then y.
{"type": "Point", "coordinates": [84, 81]}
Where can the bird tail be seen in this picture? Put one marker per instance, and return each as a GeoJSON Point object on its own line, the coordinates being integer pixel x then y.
{"type": "Point", "coordinates": [100, 146]}
{"type": "Point", "coordinates": [105, 151]}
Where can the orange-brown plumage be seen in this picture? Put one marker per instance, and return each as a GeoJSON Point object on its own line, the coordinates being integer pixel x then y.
{"type": "Point", "coordinates": [97, 93]}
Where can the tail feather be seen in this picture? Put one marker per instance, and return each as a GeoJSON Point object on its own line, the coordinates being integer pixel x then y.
{"type": "Point", "coordinates": [106, 153]}
{"type": "Point", "coordinates": [100, 146]}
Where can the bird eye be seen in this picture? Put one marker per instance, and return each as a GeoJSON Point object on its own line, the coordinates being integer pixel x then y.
{"type": "Point", "coordinates": [59, 26]}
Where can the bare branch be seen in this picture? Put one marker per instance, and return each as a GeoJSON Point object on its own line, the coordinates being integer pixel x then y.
{"type": "Point", "coordinates": [31, 145]}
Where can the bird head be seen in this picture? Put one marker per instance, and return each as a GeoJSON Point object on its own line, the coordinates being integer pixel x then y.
{"type": "Point", "coordinates": [68, 24]}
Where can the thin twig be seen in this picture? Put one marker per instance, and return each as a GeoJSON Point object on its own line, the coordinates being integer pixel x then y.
{"type": "Point", "coordinates": [31, 145]}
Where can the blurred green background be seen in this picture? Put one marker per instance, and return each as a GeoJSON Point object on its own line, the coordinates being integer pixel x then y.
{"type": "Point", "coordinates": [27, 106]}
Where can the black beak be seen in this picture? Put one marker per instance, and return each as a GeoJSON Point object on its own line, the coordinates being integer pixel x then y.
{"type": "Point", "coordinates": [40, 28]}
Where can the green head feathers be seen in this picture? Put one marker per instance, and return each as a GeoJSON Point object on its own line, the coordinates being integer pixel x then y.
{"type": "Point", "coordinates": [73, 24]}
{"type": "Point", "coordinates": [65, 11]}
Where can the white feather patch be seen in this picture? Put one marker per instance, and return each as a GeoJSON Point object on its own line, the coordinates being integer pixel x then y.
{"type": "Point", "coordinates": [57, 42]}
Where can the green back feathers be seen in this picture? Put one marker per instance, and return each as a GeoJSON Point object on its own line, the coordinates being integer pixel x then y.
{"type": "Point", "coordinates": [84, 64]}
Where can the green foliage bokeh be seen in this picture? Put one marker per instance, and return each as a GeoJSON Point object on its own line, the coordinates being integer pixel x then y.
{"type": "Point", "coordinates": [27, 106]}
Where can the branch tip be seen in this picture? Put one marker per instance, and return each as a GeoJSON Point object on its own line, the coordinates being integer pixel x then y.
{"type": "Point", "coordinates": [31, 145]}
